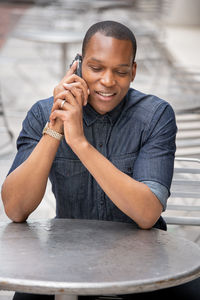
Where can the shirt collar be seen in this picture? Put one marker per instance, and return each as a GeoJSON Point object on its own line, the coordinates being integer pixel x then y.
{"type": "Point", "coordinates": [90, 115]}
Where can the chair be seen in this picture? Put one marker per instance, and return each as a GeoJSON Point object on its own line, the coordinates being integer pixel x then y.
{"type": "Point", "coordinates": [184, 203]}
{"type": "Point", "coordinates": [188, 136]}
{"type": "Point", "coordinates": [5, 126]}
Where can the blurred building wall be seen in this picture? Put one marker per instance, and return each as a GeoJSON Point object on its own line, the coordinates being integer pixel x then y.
{"type": "Point", "coordinates": [184, 13]}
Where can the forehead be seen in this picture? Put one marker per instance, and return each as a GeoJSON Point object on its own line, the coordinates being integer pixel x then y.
{"type": "Point", "coordinates": [105, 47]}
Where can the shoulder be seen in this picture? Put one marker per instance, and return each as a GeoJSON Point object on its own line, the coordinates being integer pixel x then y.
{"type": "Point", "coordinates": [138, 100]}
{"type": "Point", "coordinates": [42, 107]}
{"type": "Point", "coordinates": [146, 106]}
{"type": "Point", "coordinates": [38, 114]}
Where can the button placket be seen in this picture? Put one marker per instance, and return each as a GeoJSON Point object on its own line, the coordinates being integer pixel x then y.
{"type": "Point", "coordinates": [103, 129]}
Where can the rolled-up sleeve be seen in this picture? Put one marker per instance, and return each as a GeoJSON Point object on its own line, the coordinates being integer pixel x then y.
{"type": "Point", "coordinates": [155, 161]}
{"type": "Point", "coordinates": [160, 191]}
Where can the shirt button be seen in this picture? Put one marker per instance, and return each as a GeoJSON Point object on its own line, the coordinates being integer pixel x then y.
{"type": "Point", "coordinates": [101, 202]}
{"type": "Point", "coordinates": [100, 145]}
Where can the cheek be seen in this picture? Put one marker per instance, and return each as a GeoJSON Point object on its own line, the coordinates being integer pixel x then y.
{"type": "Point", "coordinates": [87, 75]}
{"type": "Point", "coordinates": [124, 85]}
{"type": "Point", "coordinates": [89, 78]}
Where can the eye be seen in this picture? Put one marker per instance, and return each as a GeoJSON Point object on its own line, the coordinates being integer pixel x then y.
{"type": "Point", "coordinates": [122, 73]}
{"type": "Point", "coordinates": [95, 69]}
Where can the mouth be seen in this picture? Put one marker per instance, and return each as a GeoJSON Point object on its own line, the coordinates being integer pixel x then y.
{"type": "Point", "coordinates": [105, 95]}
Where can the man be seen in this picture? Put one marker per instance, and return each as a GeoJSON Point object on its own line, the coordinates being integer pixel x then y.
{"type": "Point", "coordinates": [108, 149]}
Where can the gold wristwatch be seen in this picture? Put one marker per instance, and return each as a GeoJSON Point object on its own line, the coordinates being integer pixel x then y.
{"type": "Point", "coordinates": [52, 132]}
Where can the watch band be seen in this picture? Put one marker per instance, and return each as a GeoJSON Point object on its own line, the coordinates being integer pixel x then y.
{"type": "Point", "coordinates": [52, 132]}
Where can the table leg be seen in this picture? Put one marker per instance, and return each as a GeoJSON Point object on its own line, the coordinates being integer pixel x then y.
{"type": "Point", "coordinates": [66, 297]}
{"type": "Point", "coordinates": [64, 67]}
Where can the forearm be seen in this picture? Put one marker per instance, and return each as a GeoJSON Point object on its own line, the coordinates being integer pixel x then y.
{"type": "Point", "coordinates": [24, 188]}
{"type": "Point", "coordinates": [135, 199]}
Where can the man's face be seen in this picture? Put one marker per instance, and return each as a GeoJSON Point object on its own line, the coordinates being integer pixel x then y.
{"type": "Point", "coordinates": [108, 70]}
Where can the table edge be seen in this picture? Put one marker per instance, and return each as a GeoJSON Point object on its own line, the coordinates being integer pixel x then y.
{"type": "Point", "coordinates": [77, 288]}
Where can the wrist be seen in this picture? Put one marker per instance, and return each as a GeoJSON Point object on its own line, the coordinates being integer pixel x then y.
{"type": "Point", "coordinates": [51, 132]}
{"type": "Point", "coordinates": [79, 146]}
{"type": "Point", "coordinates": [57, 127]}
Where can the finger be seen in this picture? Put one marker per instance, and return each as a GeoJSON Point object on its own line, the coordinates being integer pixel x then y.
{"type": "Point", "coordinates": [72, 69]}
{"type": "Point", "coordinates": [56, 105]}
{"type": "Point", "coordinates": [66, 95]}
{"type": "Point", "coordinates": [78, 92]}
{"type": "Point", "coordinates": [75, 78]}
{"type": "Point", "coordinates": [63, 105]}
{"type": "Point", "coordinates": [57, 114]}
{"type": "Point", "coordinates": [70, 72]}
{"type": "Point", "coordinates": [79, 96]}
{"type": "Point", "coordinates": [80, 85]}
{"type": "Point", "coordinates": [60, 113]}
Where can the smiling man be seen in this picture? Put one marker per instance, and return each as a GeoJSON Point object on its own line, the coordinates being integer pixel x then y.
{"type": "Point", "coordinates": [107, 149]}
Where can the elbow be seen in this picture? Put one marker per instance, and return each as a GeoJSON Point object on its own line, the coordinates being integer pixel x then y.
{"type": "Point", "coordinates": [14, 213]}
{"type": "Point", "coordinates": [144, 219]}
{"type": "Point", "coordinates": [147, 221]}
{"type": "Point", "coordinates": [15, 216]}
{"type": "Point", "coordinates": [15, 220]}
{"type": "Point", "coordinates": [149, 214]}
{"type": "Point", "coordinates": [145, 226]}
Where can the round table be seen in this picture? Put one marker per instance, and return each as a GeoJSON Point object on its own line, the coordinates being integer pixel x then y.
{"type": "Point", "coordinates": [88, 257]}
{"type": "Point", "coordinates": [52, 36]}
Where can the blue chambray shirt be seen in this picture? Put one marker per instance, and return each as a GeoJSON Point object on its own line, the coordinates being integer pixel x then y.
{"type": "Point", "coordinates": [137, 136]}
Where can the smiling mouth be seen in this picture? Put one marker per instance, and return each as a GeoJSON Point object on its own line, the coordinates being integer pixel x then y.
{"type": "Point", "coordinates": [104, 94]}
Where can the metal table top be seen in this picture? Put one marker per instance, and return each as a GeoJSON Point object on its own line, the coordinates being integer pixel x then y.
{"type": "Point", "coordinates": [55, 37]}
{"type": "Point", "coordinates": [63, 256]}
{"type": "Point", "coordinates": [51, 36]}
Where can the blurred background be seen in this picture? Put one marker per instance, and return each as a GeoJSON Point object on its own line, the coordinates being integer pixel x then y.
{"type": "Point", "coordinates": [39, 39]}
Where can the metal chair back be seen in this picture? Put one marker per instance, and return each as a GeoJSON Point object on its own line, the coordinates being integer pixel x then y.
{"type": "Point", "coordinates": [184, 203]}
{"type": "Point", "coordinates": [4, 127]}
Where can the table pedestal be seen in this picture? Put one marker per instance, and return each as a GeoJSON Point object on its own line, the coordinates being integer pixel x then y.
{"type": "Point", "coordinates": [66, 297]}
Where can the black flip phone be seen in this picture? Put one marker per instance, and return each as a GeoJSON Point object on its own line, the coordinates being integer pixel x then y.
{"type": "Point", "coordinates": [79, 66]}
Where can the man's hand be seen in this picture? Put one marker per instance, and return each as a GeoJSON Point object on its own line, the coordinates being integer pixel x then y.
{"type": "Point", "coordinates": [70, 77]}
{"type": "Point", "coordinates": [74, 91]}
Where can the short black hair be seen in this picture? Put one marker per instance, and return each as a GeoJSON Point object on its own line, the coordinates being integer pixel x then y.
{"type": "Point", "coordinates": [112, 29]}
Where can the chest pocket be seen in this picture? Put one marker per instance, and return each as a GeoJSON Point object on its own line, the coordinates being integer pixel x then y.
{"type": "Point", "coordinates": [69, 183]}
{"type": "Point", "coordinates": [69, 167]}
{"type": "Point", "coordinates": [125, 164]}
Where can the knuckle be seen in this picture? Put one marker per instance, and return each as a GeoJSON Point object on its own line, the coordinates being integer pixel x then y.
{"type": "Point", "coordinates": [56, 99]}
{"type": "Point", "coordinates": [78, 84]}
{"type": "Point", "coordinates": [79, 92]}
{"type": "Point", "coordinates": [74, 76]}
{"type": "Point", "coordinates": [67, 93]}
{"type": "Point", "coordinates": [57, 90]}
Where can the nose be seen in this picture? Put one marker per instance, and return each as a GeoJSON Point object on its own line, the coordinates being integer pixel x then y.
{"type": "Point", "coordinates": [108, 79]}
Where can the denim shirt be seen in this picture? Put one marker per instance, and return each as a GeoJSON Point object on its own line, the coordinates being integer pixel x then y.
{"type": "Point", "coordinates": [137, 136]}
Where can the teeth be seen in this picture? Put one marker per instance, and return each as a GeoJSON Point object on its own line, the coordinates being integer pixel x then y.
{"type": "Point", "coordinates": [105, 94]}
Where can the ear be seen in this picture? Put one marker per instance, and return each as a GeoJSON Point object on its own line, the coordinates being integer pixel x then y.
{"type": "Point", "coordinates": [134, 68]}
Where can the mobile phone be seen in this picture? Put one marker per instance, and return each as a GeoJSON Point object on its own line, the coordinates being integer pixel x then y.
{"type": "Point", "coordinates": [79, 66]}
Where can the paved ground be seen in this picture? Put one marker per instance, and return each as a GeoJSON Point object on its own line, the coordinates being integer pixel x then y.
{"type": "Point", "coordinates": [29, 71]}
